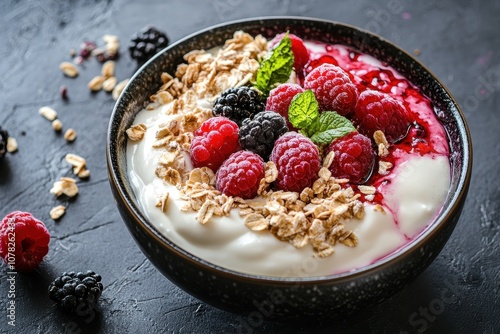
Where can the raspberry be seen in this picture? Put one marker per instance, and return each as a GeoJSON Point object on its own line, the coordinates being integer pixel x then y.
{"type": "Point", "coordinates": [300, 51]}
{"type": "Point", "coordinates": [353, 159]}
{"type": "Point", "coordinates": [297, 160]}
{"type": "Point", "coordinates": [214, 141]}
{"type": "Point", "coordinates": [238, 104]}
{"type": "Point", "coordinates": [379, 111]}
{"type": "Point", "coordinates": [280, 98]}
{"type": "Point", "coordinates": [259, 134]}
{"type": "Point", "coordinates": [24, 241]}
{"type": "Point", "coordinates": [333, 88]}
{"type": "Point", "coordinates": [76, 291]}
{"type": "Point", "coordinates": [240, 175]}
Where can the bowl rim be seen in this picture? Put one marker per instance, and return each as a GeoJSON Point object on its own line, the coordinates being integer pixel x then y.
{"type": "Point", "coordinates": [444, 216]}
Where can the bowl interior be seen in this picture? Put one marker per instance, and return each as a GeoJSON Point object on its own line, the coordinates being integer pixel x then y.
{"type": "Point", "coordinates": [147, 80]}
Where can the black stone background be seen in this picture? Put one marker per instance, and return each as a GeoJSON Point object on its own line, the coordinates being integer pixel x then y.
{"type": "Point", "coordinates": [459, 42]}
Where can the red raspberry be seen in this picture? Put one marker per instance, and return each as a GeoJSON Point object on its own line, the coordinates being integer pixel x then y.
{"type": "Point", "coordinates": [300, 51]}
{"type": "Point", "coordinates": [333, 88]}
{"type": "Point", "coordinates": [280, 98]}
{"type": "Point", "coordinates": [240, 175]}
{"type": "Point", "coordinates": [214, 141]}
{"type": "Point", "coordinates": [24, 241]}
{"type": "Point", "coordinates": [379, 111]}
{"type": "Point", "coordinates": [354, 157]}
{"type": "Point", "coordinates": [297, 160]}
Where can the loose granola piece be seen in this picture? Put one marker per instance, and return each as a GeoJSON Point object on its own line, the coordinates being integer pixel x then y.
{"type": "Point", "coordinates": [162, 202]}
{"type": "Point", "coordinates": [11, 145]}
{"type": "Point", "coordinates": [57, 125]}
{"type": "Point", "coordinates": [112, 44]}
{"type": "Point", "coordinates": [382, 143]}
{"type": "Point", "coordinates": [256, 222]}
{"type": "Point", "coordinates": [306, 195]}
{"type": "Point", "coordinates": [47, 112]}
{"type": "Point", "coordinates": [119, 89]}
{"type": "Point", "coordinates": [205, 212]}
{"type": "Point", "coordinates": [324, 174]}
{"type": "Point", "coordinates": [68, 69]}
{"type": "Point", "coordinates": [162, 97]}
{"type": "Point", "coordinates": [108, 69]}
{"type": "Point", "coordinates": [166, 159]}
{"type": "Point", "coordinates": [66, 186]}
{"type": "Point", "coordinates": [271, 172]}
{"type": "Point", "coordinates": [327, 162]}
{"type": "Point", "coordinates": [383, 167]}
{"type": "Point", "coordinates": [57, 212]}
{"type": "Point", "coordinates": [136, 132]}
{"type": "Point", "coordinates": [172, 176]}
{"type": "Point", "coordinates": [382, 150]}
{"type": "Point", "coordinates": [202, 175]}
{"type": "Point", "coordinates": [367, 190]}
{"type": "Point", "coordinates": [319, 186]}
{"type": "Point", "coordinates": [70, 135]}
{"type": "Point", "coordinates": [350, 240]}
{"type": "Point", "coordinates": [76, 161]}
{"type": "Point", "coordinates": [96, 83]}
{"type": "Point", "coordinates": [84, 174]}
{"type": "Point", "coordinates": [165, 77]}
{"type": "Point", "coordinates": [109, 84]}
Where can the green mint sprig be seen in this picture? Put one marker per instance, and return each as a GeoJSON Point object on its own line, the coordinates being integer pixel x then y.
{"type": "Point", "coordinates": [276, 67]}
{"type": "Point", "coordinates": [322, 128]}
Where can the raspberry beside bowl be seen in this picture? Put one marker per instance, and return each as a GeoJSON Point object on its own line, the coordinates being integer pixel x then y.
{"type": "Point", "coordinates": [290, 297]}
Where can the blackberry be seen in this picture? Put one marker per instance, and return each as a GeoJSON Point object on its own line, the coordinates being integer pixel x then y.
{"type": "Point", "coordinates": [238, 104]}
{"type": "Point", "coordinates": [76, 291]}
{"type": "Point", "coordinates": [259, 134]}
{"type": "Point", "coordinates": [4, 135]}
{"type": "Point", "coordinates": [146, 43]}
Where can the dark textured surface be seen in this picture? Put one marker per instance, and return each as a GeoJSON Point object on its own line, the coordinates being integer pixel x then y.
{"type": "Point", "coordinates": [459, 42]}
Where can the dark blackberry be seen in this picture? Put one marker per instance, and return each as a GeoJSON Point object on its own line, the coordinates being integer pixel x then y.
{"type": "Point", "coordinates": [4, 135]}
{"type": "Point", "coordinates": [238, 104]}
{"type": "Point", "coordinates": [146, 43]}
{"type": "Point", "coordinates": [76, 291]}
{"type": "Point", "coordinates": [259, 134]}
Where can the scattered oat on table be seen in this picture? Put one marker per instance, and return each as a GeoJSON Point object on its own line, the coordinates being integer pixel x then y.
{"type": "Point", "coordinates": [96, 83]}
{"type": "Point", "coordinates": [47, 112]}
{"type": "Point", "coordinates": [66, 186]}
{"type": "Point", "coordinates": [11, 145]}
{"type": "Point", "coordinates": [57, 212]}
{"type": "Point", "coordinates": [57, 125]}
{"type": "Point", "coordinates": [70, 135]}
{"type": "Point", "coordinates": [68, 69]}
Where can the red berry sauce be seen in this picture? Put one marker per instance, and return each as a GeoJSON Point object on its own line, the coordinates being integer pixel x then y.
{"type": "Point", "coordinates": [426, 136]}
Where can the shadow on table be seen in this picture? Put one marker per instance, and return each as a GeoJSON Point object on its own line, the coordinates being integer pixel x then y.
{"type": "Point", "coordinates": [420, 307]}
{"type": "Point", "coordinates": [37, 283]}
{"type": "Point", "coordinates": [4, 171]}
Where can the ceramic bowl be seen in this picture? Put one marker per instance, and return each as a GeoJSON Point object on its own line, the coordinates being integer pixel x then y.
{"type": "Point", "coordinates": [274, 297]}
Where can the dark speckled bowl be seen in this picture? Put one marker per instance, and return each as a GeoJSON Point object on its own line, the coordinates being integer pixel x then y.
{"type": "Point", "coordinates": [289, 297]}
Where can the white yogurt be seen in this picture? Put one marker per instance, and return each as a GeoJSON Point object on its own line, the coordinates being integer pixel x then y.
{"type": "Point", "coordinates": [414, 196]}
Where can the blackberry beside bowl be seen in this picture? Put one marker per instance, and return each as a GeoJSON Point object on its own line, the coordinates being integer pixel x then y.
{"type": "Point", "coordinates": [289, 297]}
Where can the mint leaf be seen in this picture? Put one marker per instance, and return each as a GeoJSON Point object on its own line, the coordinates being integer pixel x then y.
{"type": "Point", "coordinates": [303, 110]}
{"type": "Point", "coordinates": [328, 127]}
{"type": "Point", "coordinates": [276, 67]}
